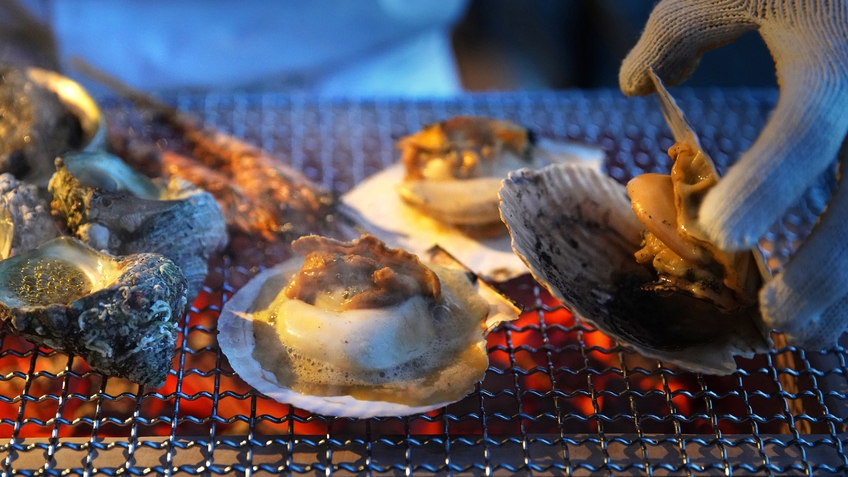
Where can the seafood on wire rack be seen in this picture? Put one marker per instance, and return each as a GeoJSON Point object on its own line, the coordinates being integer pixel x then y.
{"type": "Point", "coordinates": [360, 330]}
{"type": "Point", "coordinates": [242, 212]}
{"type": "Point", "coordinates": [665, 291]}
{"type": "Point", "coordinates": [112, 208]}
{"type": "Point", "coordinates": [287, 204]}
{"type": "Point", "coordinates": [444, 190]}
{"type": "Point", "coordinates": [119, 314]}
{"type": "Point", "coordinates": [453, 169]}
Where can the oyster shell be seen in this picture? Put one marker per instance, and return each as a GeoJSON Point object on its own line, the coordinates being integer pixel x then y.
{"type": "Point", "coordinates": [408, 353]}
{"type": "Point", "coordinates": [115, 209]}
{"type": "Point", "coordinates": [25, 220]}
{"type": "Point", "coordinates": [462, 216]}
{"type": "Point", "coordinates": [43, 115]}
{"type": "Point", "coordinates": [577, 232]}
{"type": "Point", "coordinates": [119, 314]}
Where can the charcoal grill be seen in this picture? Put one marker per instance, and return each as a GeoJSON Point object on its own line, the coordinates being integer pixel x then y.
{"type": "Point", "coordinates": [559, 397]}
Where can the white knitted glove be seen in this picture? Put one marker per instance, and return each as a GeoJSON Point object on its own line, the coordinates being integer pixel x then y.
{"type": "Point", "coordinates": [809, 42]}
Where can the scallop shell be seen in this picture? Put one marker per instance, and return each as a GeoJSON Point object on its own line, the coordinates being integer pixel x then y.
{"type": "Point", "coordinates": [376, 206]}
{"type": "Point", "coordinates": [119, 314]}
{"type": "Point", "coordinates": [113, 208]}
{"type": "Point", "coordinates": [45, 115]}
{"type": "Point", "coordinates": [576, 231]}
{"type": "Point", "coordinates": [451, 379]}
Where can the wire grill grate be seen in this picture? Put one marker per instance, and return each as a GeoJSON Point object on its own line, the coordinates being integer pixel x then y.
{"type": "Point", "coordinates": [559, 397]}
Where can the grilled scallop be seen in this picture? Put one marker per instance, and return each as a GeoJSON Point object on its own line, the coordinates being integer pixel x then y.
{"type": "Point", "coordinates": [638, 269]}
{"type": "Point", "coordinates": [357, 329]}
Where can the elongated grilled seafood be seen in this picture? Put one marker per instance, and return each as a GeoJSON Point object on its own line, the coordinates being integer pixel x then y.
{"type": "Point", "coordinates": [296, 205]}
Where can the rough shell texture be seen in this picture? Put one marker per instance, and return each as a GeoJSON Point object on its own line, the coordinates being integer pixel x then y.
{"type": "Point", "coordinates": [184, 223]}
{"type": "Point", "coordinates": [39, 120]}
{"type": "Point", "coordinates": [125, 328]}
{"type": "Point", "coordinates": [449, 381]}
{"type": "Point", "coordinates": [27, 222]}
{"type": "Point", "coordinates": [575, 230]}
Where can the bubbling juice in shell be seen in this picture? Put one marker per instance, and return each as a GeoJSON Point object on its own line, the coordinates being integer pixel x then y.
{"type": "Point", "coordinates": [44, 281]}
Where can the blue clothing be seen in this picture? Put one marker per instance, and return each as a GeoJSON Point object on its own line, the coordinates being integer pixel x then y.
{"type": "Point", "coordinates": [330, 47]}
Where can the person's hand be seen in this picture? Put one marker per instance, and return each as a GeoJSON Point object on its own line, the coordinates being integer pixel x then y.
{"type": "Point", "coordinates": [809, 42]}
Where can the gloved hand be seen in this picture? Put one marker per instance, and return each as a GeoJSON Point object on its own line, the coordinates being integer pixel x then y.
{"type": "Point", "coordinates": [809, 42]}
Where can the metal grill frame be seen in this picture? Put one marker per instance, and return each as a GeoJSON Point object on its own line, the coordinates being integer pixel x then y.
{"type": "Point", "coordinates": [108, 428]}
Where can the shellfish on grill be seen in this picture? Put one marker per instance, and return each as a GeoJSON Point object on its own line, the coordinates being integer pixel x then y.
{"type": "Point", "coordinates": [119, 314]}
{"type": "Point", "coordinates": [42, 115]}
{"type": "Point", "coordinates": [357, 329]}
{"type": "Point", "coordinates": [113, 208]}
{"type": "Point", "coordinates": [453, 168]}
{"type": "Point", "coordinates": [444, 190]}
{"type": "Point", "coordinates": [684, 301]}
{"type": "Point", "coordinates": [25, 220]}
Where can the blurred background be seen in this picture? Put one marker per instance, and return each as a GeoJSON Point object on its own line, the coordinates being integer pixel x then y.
{"type": "Point", "coordinates": [359, 48]}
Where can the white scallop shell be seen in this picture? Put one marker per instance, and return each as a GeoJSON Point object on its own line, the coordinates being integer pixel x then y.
{"type": "Point", "coordinates": [236, 339]}
{"type": "Point", "coordinates": [575, 230]}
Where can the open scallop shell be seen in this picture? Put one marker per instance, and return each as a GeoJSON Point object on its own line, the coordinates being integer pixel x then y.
{"type": "Point", "coordinates": [377, 207]}
{"type": "Point", "coordinates": [428, 389]}
{"type": "Point", "coordinates": [576, 230]}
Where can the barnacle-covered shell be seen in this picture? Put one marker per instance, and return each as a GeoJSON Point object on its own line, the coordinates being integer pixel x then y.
{"type": "Point", "coordinates": [113, 208]}
{"type": "Point", "coordinates": [120, 314]}
{"type": "Point", "coordinates": [412, 356]}
{"type": "Point", "coordinates": [42, 115]}
{"type": "Point", "coordinates": [418, 202]}
{"type": "Point", "coordinates": [25, 220]}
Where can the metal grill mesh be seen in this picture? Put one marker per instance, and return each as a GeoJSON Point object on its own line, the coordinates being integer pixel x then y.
{"type": "Point", "coordinates": [559, 397]}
